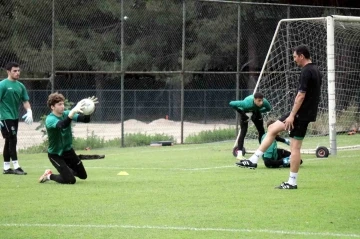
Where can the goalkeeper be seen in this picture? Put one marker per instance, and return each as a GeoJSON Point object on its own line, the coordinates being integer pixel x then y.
{"type": "Point", "coordinates": [275, 157]}
{"type": "Point", "coordinates": [251, 107]}
{"type": "Point", "coordinates": [60, 151]}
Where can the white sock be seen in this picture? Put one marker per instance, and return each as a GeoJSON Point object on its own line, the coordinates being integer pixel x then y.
{"type": "Point", "coordinates": [48, 176]}
{"type": "Point", "coordinates": [255, 157]}
{"type": "Point", "coordinates": [6, 165]}
{"type": "Point", "coordinates": [16, 164]}
{"type": "Point", "coordinates": [239, 154]}
{"type": "Point", "coordinates": [292, 178]}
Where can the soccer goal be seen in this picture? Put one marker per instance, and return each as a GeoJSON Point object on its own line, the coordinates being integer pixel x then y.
{"type": "Point", "coordinates": [334, 43]}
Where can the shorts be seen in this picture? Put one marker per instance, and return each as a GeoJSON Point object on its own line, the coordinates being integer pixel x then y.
{"type": "Point", "coordinates": [10, 128]}
{"type": "Point", "coordinates": [300, 127]}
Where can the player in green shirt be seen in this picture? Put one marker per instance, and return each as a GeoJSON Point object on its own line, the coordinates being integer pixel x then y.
{"type": "Point", "coordinates": [60, 151]}
{"type": "Point", "coordinates": [251, 107]}
{"type": "Point", "coordinates": [275, 157]}
{"type": "Point", "coordinates": [12, 94]}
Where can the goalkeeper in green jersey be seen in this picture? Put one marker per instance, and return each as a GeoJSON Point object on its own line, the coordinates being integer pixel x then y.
{"type": "Point", "coordinates": [12, 94]}
{"type": "Point", "coordinates": [251, 107]}
{"type": "Point", "coordinates": [60, 151]}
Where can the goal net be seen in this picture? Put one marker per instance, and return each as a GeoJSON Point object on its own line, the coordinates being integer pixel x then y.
{"type": "Point", "coordinates": [334, 44]}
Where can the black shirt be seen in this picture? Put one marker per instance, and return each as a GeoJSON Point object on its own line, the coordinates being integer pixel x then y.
{"type": "Point", "coordinates": [310, 83]}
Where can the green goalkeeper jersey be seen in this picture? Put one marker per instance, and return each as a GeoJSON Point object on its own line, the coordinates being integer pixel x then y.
{"type": "Point", "coordinates": [60, 140]}
{"type": "Point", "coordinates": [271, 152]}
{"type": "Point", "coordinates": [247, 105]}
{"type": "Point", "coordinates": [12, 93]}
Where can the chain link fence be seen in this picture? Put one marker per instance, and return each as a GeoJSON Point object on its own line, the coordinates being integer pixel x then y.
{"type": "Point", "coordinates": [156, 66]}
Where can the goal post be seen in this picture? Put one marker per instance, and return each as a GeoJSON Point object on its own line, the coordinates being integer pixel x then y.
{"type": "Point", "coordinates": [334, 43]}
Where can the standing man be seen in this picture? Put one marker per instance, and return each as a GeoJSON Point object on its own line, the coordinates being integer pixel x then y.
{"type": "Point", "coordinates": [251, 107]}
{"type": "Point", "coordinates": [60, 151]}
{"type": "Point", "coordinates": [303, 112]}
{"type": "Point", "coordinates": [12, 94]}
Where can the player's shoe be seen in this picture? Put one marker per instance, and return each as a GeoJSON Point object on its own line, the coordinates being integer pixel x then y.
{"type": "Point", "coordinates": [19, 171]}
{"type": "Point", "coordinates": [8, 171]}
{"type": "Point", "coordinates": [285, 185]}
{"type": "Point", "coordinates": [44, 177]}
{"type": "Point", "coordinates": [246, 164]}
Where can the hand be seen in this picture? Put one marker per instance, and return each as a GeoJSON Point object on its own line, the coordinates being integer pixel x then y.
{"type": "Point", "coordinates": [77, 109]}
{"type": "Point", "coordinates": [28, 117]}
{"type": "Point", "coordinates": [94, 99]}
{"type": "Point", "coordinates": [289, 123]}
{"type": "Point", "coordinates": [287, 141]}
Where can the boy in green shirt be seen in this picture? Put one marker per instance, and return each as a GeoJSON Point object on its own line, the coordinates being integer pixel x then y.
{"type": "Point", "coordinates": [251, 107]}
{"type": "Point", "coordinates": [60, 152]}
{"type": "Point", "coordinates": [12, 94]}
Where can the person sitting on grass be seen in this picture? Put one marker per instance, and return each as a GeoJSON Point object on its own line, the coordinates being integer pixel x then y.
{"type": "Point", "coordinates": [275, 157]}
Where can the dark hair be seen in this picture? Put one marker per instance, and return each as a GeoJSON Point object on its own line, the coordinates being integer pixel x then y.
{"type": "Point", "coordinates": [10, 65]}
{"type": "Point", "coordinates": [304, 50]}
{"type": "Point", "coordinates": [258, 95]}
{"type": "Point", "coordinates": [55, 98]}
{"type": "Point", "coordinates": [269, 122]}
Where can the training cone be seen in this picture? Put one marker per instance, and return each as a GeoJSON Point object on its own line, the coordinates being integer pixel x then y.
{"type": "Point", "coordinates": [123, 173]}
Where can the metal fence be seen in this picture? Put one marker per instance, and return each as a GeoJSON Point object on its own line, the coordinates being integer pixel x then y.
{"type": "Point", "coordinates": [182, 61]}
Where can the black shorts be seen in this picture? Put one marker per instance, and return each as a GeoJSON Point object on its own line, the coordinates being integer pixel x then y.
{"type": "Point", "coordinates": [10, 128]}
{"type": "Point", "coordinates": [300, 127]}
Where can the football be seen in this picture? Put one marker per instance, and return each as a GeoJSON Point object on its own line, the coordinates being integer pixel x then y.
{"type": "Point", "coordinates": [89, 107]}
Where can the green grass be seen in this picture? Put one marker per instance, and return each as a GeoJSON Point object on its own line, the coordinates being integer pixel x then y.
{"type": "Point", "coordinates": [183, 191]}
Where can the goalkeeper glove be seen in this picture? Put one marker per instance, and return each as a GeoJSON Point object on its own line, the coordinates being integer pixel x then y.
{"type": "Point", "coordinates": [287, 141]}
{"type": "Point", "coordinates": [77, 109]}
{"type": "Point", "coordinates": [28, 117]}
{"type": "Point", "coordinates": [94, 99]}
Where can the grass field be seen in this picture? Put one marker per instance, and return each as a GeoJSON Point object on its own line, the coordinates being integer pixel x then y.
{"type": "Point", "coordinates": [183, 191]}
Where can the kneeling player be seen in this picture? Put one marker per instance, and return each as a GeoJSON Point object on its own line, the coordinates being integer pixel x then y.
{"type": "Point", "coordinates": [60, 152]}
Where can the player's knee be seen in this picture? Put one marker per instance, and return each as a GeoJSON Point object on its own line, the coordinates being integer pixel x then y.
{"type": "Point", "coordinates": [70, 180]}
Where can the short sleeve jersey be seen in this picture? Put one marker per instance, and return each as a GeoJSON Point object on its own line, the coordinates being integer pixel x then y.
{"type": "Point", "coordinates": [310, 83]}
{"type": "Point", "coordinates": [12, 94]}
{"type": "Point", "coordinates": [271, 152]}
{"type": "Point", "coordinates": [60, 140]}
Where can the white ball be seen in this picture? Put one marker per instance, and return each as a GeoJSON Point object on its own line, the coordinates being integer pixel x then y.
{"type": "Point", "coordinates": [89, 107]}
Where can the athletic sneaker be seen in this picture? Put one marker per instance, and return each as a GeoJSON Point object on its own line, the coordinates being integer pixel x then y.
{"type": "Point", "coordinates": [246, 164]}
{"type": "Point", "coordinates": [285, 185]}
{"type": "Point", "coordinates": [8, 171]}
{"type": "Point", "coordinates": [19, 171]}
{"type": "Point", "coordinates": [44, 177]}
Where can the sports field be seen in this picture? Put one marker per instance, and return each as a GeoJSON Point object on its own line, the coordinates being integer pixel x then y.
{"type": "Point", "coordinates": [183, 191]}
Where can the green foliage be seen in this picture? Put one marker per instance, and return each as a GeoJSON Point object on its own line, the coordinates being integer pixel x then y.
{"type": "Point", "coordinates": [91, 141]}
{"type": "Point", "coordinates": [208, 136]}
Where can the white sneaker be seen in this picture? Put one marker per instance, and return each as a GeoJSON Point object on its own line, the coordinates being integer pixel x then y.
{"type": "Point", "coordinates": [44, 177]}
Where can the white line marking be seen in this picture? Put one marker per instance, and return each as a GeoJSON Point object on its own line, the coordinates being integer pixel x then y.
{"type": "Point", "coordinates": [266, 231]}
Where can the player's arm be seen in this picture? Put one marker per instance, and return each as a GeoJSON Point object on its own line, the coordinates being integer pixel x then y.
{"type": "Point", "coordinates": [266, 106]}
{"type": "Point", "coordinates": [83, 118]}
{"type": "Point", "coordinates": [282, 140]}
{"type": "Point", "coordinates": [299, 99]}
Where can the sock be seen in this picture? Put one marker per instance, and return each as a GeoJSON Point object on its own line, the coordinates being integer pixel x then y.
{"type": "Point", "coordinates": [255, 157]}
{"type": "Point", "coordinates": [292, 178]}
{"type": "Point", "coordinates": [239, 154]}
{"type": "Point", "coordinates": [48, 176]}
{"type": "Point", "coordinates": [16, 164]}
{"type": "Point", "coordinates": [6, 165]}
